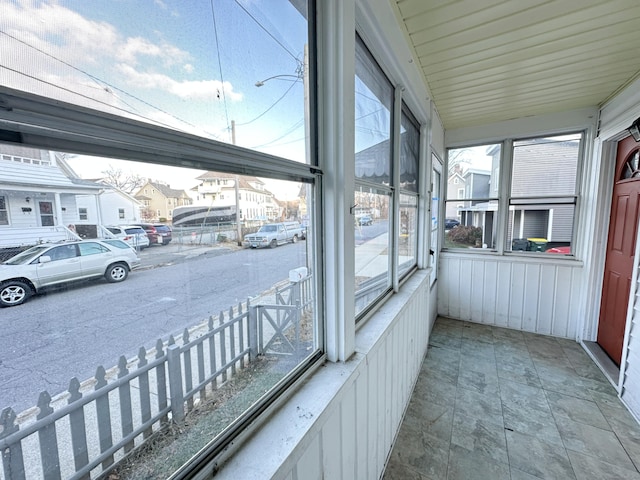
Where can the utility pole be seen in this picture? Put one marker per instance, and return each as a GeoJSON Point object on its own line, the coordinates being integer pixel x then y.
{"type": "Point", "coordinates": [237, 189]}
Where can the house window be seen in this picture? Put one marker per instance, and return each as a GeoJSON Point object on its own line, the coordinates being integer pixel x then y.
{"type": "Point", "coordinates": [539, 203]}
{"type": "Point", "coordinates": [479, 212]}
{"type": "Point", "coordinates": [121, 213]}
{"type": "Point", "coordinates": [4, 211]}
{"type": "Point", "coordinates": [82, 213]}
{"type": "Point", "coordinates": [436, 203]}
{"type": "Point", "coordinates": [242, 373]}
{"type": "Point", "coordinates": [374, 101]}
{"type": "Point", "coordinates": [385, 196]}
{"type": "Point", "coordinates": [47, 218]}
{"type": "Point", "coordinates": [456, 180]}
{"type": "Point", "coordinates": [544, 193]}
{"type": "Point", "coordinates": [407, 252]}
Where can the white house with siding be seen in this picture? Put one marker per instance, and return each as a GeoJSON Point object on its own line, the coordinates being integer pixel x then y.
{"type": "Point", "coordinates": [216, 189]}
{"type": "Point", "coordinates": [38, 197]}
{"type": "Point", "coordinates": [43, 200]}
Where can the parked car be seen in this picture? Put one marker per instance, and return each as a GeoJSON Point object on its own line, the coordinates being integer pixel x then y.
{"type": "Point", "coordinates": [450, 223]}
{"type": "Point", "coordinates": [51, 264]}
{"type": "Point", "coordinates": [364, 220]}
{"type": "Point", "coordinates": [274, 234]}
{"type": "Point", "coordinates": [133, 235]}
{"type": "Point", "coordinates": [158, 233]}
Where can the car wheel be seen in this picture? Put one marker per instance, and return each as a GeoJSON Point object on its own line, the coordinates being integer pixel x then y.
{"type": "Point", "coordinates": [274, 243]}
{"type": "Point", "coordinates": [294, 239]}
{"type": "Point", "coordinates": [14, 293]}
{"type": "Point", "coordinates": [117, 272]}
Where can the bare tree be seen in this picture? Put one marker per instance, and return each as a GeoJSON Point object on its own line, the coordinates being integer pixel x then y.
{"type": "Point", "coordinates": [127, 182]}
{"type": "Point", "coordinates": [456, 157]}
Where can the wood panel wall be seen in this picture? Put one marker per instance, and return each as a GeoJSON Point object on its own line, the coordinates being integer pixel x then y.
{"type": "Point", "coordinates": [529, 294]}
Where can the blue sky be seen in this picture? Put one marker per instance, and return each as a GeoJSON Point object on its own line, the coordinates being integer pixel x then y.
{"type": "Point", "coordinates": [163, 60]}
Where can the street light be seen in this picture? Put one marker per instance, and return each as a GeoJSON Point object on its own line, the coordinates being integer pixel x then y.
{"type": "Point", "coordinates": [260, 83]}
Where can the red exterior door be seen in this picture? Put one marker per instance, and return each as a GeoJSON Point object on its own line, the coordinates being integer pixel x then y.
{"type": "Point", "coordinates": [621, 243]}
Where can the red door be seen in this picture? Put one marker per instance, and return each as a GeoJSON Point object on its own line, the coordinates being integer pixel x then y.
{"type": "Point", "coordinates": [621, 243]}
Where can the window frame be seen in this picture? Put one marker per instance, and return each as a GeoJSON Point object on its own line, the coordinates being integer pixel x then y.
{"type": "Point", "coordinates": [50, 124]}
{"type": "Point", "coordinates": [5, 210]}
{"type": "Point", "coordinates": [514, 200]}
{"type": "Point", "coordinates": [504, 197]}
{"type": "Point", "coordinates": [397, 108]}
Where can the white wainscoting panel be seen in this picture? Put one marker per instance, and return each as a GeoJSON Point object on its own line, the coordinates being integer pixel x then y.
{"type": "Point", "coordinates": [529, 294]}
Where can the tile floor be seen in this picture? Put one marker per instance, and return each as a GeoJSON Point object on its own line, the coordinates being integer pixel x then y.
{"type": "Point", "coordinates": [492, 403]}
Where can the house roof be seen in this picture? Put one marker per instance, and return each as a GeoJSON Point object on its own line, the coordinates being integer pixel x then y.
{"type": "Point", "coordinates": [165, 190]}
{"type": "Point", "coordinates": [214, 175]}
{"type": "Point", "coordinates": [245, 181]}
{"type": "Point", "coordinates": [488, 61]}
{"type": "Point", "coordinates": [14, 174]}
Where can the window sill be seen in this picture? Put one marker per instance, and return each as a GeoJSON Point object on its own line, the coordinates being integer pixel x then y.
{"type": "Point", "coordinates": [522, 257]}
{"type": "Point", "coordinates": [297, 424]}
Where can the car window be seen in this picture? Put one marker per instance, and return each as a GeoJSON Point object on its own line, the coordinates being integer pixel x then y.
{"type": "Point", "coordinates": [115, 231]}
{"type": "Point", "coordinates": [91, 248]}
{"type": "Point", "coordinates": [62, 252]}
{"type": "Point", "coordinates": [116, 243]}
{"type": "Point", "coordinates": [134, 230]}
{"type": "Point", "coordinates": [26, 256]}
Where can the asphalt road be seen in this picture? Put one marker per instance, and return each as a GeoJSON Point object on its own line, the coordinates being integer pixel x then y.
{"type": "Point", "coordinates": [70, 331]}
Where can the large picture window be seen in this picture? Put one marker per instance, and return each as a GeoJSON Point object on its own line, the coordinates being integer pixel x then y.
{"type": "Point", "coordinates": [539, 202]}
{"type": "Point", "coordinates": [373, 194]}
{"type": "Point", "coordinates": [185, 115]}
{"type": "Point", "coordinates": [386, 191]}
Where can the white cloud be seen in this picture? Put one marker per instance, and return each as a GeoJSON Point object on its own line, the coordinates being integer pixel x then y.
{"type": "Point", "coordinates": [136, 47]}
{"type": "Point", "coordinates": [95, 47]}
{"type": "Point", "coordinates": [191, 89]}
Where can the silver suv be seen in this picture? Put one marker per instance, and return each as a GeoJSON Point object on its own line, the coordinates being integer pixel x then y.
{"type": "Point", "coordinates": [51, 264]}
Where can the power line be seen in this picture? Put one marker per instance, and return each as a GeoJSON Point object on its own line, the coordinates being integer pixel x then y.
{"type": "Point", "coordinates": [272, 105]}
{"type": "Point", "coordinates": [287, 132]}
{"type": "Point", "coordinates": [100, 84]}
{"type": "Point", "coordinates": [267, 31]}
{"type": "Point", "coordinates": [215, 32]}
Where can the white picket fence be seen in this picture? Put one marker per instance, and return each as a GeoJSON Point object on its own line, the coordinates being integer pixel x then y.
{"type": "Point", "coordinates": [95, 429]}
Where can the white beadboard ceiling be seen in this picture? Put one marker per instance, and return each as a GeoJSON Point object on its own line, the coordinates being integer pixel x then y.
{"type": "Point", "coordinates": [492, 60]}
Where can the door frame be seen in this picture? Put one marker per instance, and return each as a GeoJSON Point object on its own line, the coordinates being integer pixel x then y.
{"type": "Point", "coordinates": [605, 153]}
{"type": "Point", "coordinates": [614, 342]}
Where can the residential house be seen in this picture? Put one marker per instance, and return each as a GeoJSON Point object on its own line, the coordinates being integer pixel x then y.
{"type": "Point", "coordinates": [455, 189]}
{"type": "Point", "coordinates": [39, 197]}
{"type": "Point", "coordinates": [255, 202]}
{"type": "Point", "coordinates": [159, 201]}
{"type": "Point", "coordinates": [115, 206]}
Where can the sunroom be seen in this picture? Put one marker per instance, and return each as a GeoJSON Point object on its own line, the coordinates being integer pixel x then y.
{"type": "Point", "coordinates": [518, 119]}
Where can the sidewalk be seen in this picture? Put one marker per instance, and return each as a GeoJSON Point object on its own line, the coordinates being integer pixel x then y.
{"type": "Point", "coordinates": [162, 255]}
